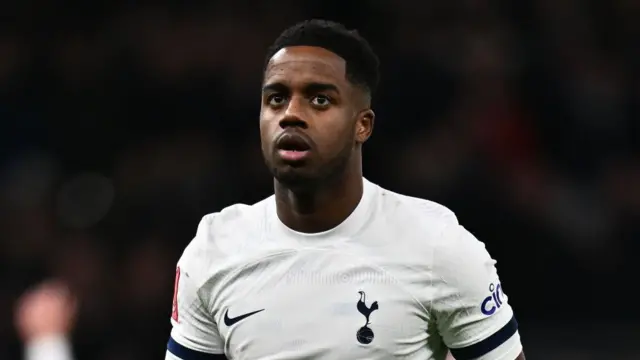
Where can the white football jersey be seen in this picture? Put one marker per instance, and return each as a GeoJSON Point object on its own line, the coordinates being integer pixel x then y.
{"type": "Point", "coordinates": [398, 279]}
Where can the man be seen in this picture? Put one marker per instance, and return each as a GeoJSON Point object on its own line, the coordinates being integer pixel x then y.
{"type": "Point", "coordinates": [44, 318]}
{"type": "Point", "coordinates": [333, 266]}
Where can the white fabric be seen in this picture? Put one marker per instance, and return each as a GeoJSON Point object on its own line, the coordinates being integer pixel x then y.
{"type": "Point", "coordinates": [170, 356]}
{"type": "Point", "coordinates": [54, 347]}
{"type": "Point", "coordinates": [428, 275]}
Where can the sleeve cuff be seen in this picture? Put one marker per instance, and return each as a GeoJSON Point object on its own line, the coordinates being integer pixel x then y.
{"type": "Point", "coordinates": [52, 347]}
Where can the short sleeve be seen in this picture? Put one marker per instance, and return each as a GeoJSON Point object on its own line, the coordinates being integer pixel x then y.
{"type": "Point", "coordinates": [473, 315]}
{"type": "Point", "coordinates": [194, 333]}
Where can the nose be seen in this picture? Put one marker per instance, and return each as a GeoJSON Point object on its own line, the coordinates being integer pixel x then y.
{"type": "Point", "coordinates": [293, 116]}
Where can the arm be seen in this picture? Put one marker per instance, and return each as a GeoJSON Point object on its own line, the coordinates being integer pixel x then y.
{"type": "Point", "coordinates": [520, 357]}
{"type": "Point", "coordinates": [44, 318]}
{"type": "Point", "coordinates": [471, 310]}
{"type": "Point", "coordinates": [194, 333]}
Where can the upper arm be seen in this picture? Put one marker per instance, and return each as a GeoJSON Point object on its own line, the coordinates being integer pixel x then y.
{"type": "Point", "coordinates": [473, 315]}
{"type": "Point", "coordinates": [194, 333]}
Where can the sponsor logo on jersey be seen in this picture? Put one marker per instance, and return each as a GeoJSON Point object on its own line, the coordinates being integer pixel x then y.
{"type": "Point", "coordinates": [493, 302]}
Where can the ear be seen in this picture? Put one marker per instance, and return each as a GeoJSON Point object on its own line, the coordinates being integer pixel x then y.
{"type": "Point", "coordinates": [364, 125]}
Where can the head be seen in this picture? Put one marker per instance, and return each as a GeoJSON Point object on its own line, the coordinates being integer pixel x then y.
{"type": "Point", "coordinates": [316, 112]}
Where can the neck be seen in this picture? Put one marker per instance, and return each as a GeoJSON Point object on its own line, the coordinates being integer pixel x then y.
{"type": "Point", "coordinates": [320, 208]}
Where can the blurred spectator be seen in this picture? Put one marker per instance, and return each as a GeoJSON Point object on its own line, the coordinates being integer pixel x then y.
{"type": "Point", "coordinates": [44, 319]}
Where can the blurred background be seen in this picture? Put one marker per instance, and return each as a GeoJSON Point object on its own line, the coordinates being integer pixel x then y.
{"type": "Point", "coordinates": [122, 123]}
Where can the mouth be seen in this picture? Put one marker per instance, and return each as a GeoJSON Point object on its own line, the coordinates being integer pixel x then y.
{"type": "Point", "coordinates": [293, 147]}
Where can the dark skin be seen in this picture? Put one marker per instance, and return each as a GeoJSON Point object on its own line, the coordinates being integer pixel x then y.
{"type": "Point", "coordinates": [306, 90]}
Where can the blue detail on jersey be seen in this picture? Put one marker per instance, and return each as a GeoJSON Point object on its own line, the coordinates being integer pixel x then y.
{"type": "Point", "coordinates": [492, 302]}
{"type": "Point", "coordinates": [185, 353]}
{"type": "Point", "coordinates": [487, 345]}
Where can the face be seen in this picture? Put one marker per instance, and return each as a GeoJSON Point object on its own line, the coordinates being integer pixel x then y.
{"type": "Point", "coordinates": [312, 119]}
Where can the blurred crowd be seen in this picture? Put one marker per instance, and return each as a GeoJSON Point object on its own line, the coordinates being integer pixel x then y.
{"type": "Point", "coordinates": [122, 124]}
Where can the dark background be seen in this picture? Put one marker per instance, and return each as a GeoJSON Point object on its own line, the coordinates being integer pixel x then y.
{"type": "Point", "coordinates": [123, 124]}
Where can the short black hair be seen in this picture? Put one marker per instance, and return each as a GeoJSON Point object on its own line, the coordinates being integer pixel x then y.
{"type": "Point", "coordinates": [361, 62]}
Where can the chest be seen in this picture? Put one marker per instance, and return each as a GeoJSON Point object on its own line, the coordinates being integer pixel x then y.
{"type": "Point", "coordinates": [321, 306]}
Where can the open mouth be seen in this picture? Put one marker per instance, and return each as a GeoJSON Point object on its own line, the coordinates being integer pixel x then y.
{"type": "Point", "coordinates": [292, 147]}
{"type": "Point", "coordinates": [292, 142]}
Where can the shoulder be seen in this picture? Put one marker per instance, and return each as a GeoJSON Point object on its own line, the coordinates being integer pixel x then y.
{"type": "Point", "coordinates": [425, 209]}
{"type": "Point", "coordinates": [240, 219]}
{"type": "Point", "coordinates": [435, 227]}
{"type": "Point", "coordinates": [222, 234]}
{"type": "Point", "coordinates": [427, 219]}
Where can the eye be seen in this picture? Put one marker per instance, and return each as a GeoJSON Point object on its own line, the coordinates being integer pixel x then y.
{"type": "Point", "coordinates": [275, 100]}
{"type": "Point", "coordinates": [321, 100]}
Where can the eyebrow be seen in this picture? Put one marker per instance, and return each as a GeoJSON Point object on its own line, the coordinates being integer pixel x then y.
{"type": "Point", "coordinates": [313, 87]}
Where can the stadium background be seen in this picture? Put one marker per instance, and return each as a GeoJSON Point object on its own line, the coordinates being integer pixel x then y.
{"type": "Point", "coordinates": [123, 124]}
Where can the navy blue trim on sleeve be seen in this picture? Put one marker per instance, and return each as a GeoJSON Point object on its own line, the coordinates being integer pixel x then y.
{"type": "Point", "coordinates": [185, 353]}
{"type": "Point", "coordinates": [485, 346]}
